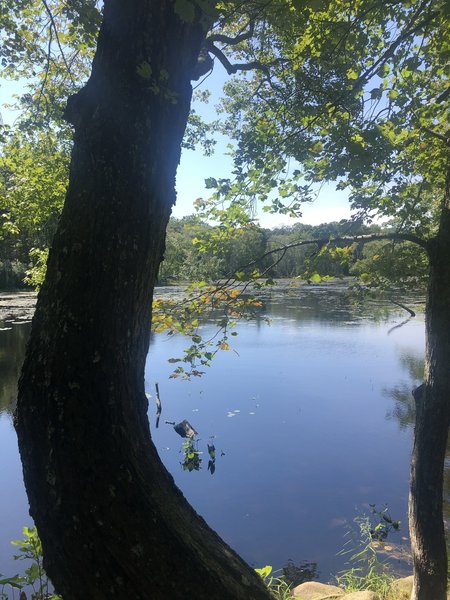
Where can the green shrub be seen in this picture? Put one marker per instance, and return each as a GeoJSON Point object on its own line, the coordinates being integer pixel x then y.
{"type": "Point", "coordinates": [34, 577]}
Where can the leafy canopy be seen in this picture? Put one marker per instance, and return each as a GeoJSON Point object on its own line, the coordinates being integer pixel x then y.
{"type": "Point", "coordinates": [356, 93]}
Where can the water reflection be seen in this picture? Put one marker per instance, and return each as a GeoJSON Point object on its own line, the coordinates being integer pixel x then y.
{"type": "Point", "coordinates": [192, 459]}
{"type": "Point", "coordinates": [300, 414]}
{"type": "Point", "coordinates": [193, 455]}
{"type": "Point", "coordinates": [296, 574]}
{"type": "Point", "coordinates": [212, 458]}
{"type": "Point", "coordinates": [190, 449]}
{"type": "Point", "coordinates": [12, 351]}
{"type": "Point", "coordinates": [332, 303]}
{"type": "Point", "coordinates": [404, 412]}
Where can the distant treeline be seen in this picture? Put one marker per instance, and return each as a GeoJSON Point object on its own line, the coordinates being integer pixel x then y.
{"type": "Point", "coordinates": [184, 260]}
{"type": "Point", "coordinates": [197, 251]}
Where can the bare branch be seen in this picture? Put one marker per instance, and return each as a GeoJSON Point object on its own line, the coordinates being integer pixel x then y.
{"type": "Point", "coordinates": [47, 68]}
{"type": "Point", "coordinates": [233, 41]}
{"type": "Point", "coordinates": [234, 68]}
{"type": "Point", "coordinates": [55, 29]}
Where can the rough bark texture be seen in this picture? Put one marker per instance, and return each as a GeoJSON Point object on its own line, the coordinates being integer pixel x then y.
{"type": "Point", "coordinates": [431, 430]}
{"type": "Point", "coordinates": [112, 522]}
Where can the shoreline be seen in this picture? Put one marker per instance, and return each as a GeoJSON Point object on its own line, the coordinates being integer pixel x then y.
{"type": "Point", "coordinates": [17, 307]}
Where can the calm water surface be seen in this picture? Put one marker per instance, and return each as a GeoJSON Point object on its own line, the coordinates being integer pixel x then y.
{"type": "Point", "coordinates": [310, 418]}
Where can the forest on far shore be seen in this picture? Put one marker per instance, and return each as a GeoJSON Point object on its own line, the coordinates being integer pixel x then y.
{"type": "Point", "coordinates": [189, 257]}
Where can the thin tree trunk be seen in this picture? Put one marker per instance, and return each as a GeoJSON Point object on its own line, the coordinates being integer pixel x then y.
{"type": "Point", "coordinates": [431, 431]}
{"type": "Point", "coordinates": [112, 522]}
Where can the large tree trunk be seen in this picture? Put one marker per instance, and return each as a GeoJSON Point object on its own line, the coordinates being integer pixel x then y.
{"type": "Point", "coordinates": [112, 522]}
{"type": "Point", "coordinates": [431, 430]}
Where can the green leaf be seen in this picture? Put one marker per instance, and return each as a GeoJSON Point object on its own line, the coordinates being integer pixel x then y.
{"type": "Point", "coordinates": [16, 581]}
{"type": "Point", "coordinates": [210, 182]}
{"type": "Point", "coordinates": [144, 70]}
{"type": "Point", "coordinates": [393, 94]}
{"type": "Point", "coordinates": [33, 572]}
{"type": "Point", "coordinates": [264, 572]}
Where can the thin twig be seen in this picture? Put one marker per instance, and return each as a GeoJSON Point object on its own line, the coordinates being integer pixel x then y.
{"type": "Point", "coordinates": [47, 68]}
{"type": "Point", "coordinates": [55, 29]}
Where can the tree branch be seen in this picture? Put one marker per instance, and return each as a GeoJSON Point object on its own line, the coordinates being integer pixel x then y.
{"type": "Point", "coordinates": [363, 238]}
{"type": "Point", "coordinates": [234, 68]}
{"type": "Point", "coordinates": [439, 136]}
{"type": "Point", "coordinates": [47, 68]}
{"type": "Point", "coordinates": [55, 29]}
{"type": "Point", "coordinates": [408, 310]}
{"type": "Point", "coordinates": [233, 41]}
{"type": "Point", "coordinates": [412, 28]}
{"type": "Point", "coordinates": [445, 94]}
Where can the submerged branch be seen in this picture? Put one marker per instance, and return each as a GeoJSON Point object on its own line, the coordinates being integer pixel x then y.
{"type": "Point", "coordinates": [158, 405]}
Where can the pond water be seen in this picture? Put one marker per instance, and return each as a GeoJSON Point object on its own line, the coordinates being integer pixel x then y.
{"type": "Point", "coordinates": [310, 418]}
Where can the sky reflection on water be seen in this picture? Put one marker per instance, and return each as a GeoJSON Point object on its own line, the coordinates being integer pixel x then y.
{"type": "Point", "coordinates": [301, 417]}
{"type": "Point", "coordinates": [304, 417]}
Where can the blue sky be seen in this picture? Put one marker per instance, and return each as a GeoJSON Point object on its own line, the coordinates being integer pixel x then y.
{"type": "Point", "coordinates": [330, 205]}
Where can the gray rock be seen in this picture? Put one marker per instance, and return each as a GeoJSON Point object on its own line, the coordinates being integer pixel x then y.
{"type": "Point", "coordinates": [313, 590]}
{"type": "Point", "coordinates": [362, 596]}
{"type": "Point", "coordinates": [402, 588]}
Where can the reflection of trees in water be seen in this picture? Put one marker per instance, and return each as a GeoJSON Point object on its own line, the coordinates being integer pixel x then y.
{"type": "Point", "coordinates": [192, 456]}
{"type": "Point", "coordinates": [404, 412]}
{"type": "Point", "coordinates": [295, 575]}
{"type": "Point", "coordinates": [331, 302]}
{"type": "Point", "coordinates": [12, 351]}
{"type": "Point", "coordinates": [192, 460]}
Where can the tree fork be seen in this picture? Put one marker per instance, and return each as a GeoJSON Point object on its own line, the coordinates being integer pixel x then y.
{"type": "Point", "coordinates": [111, 520]}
